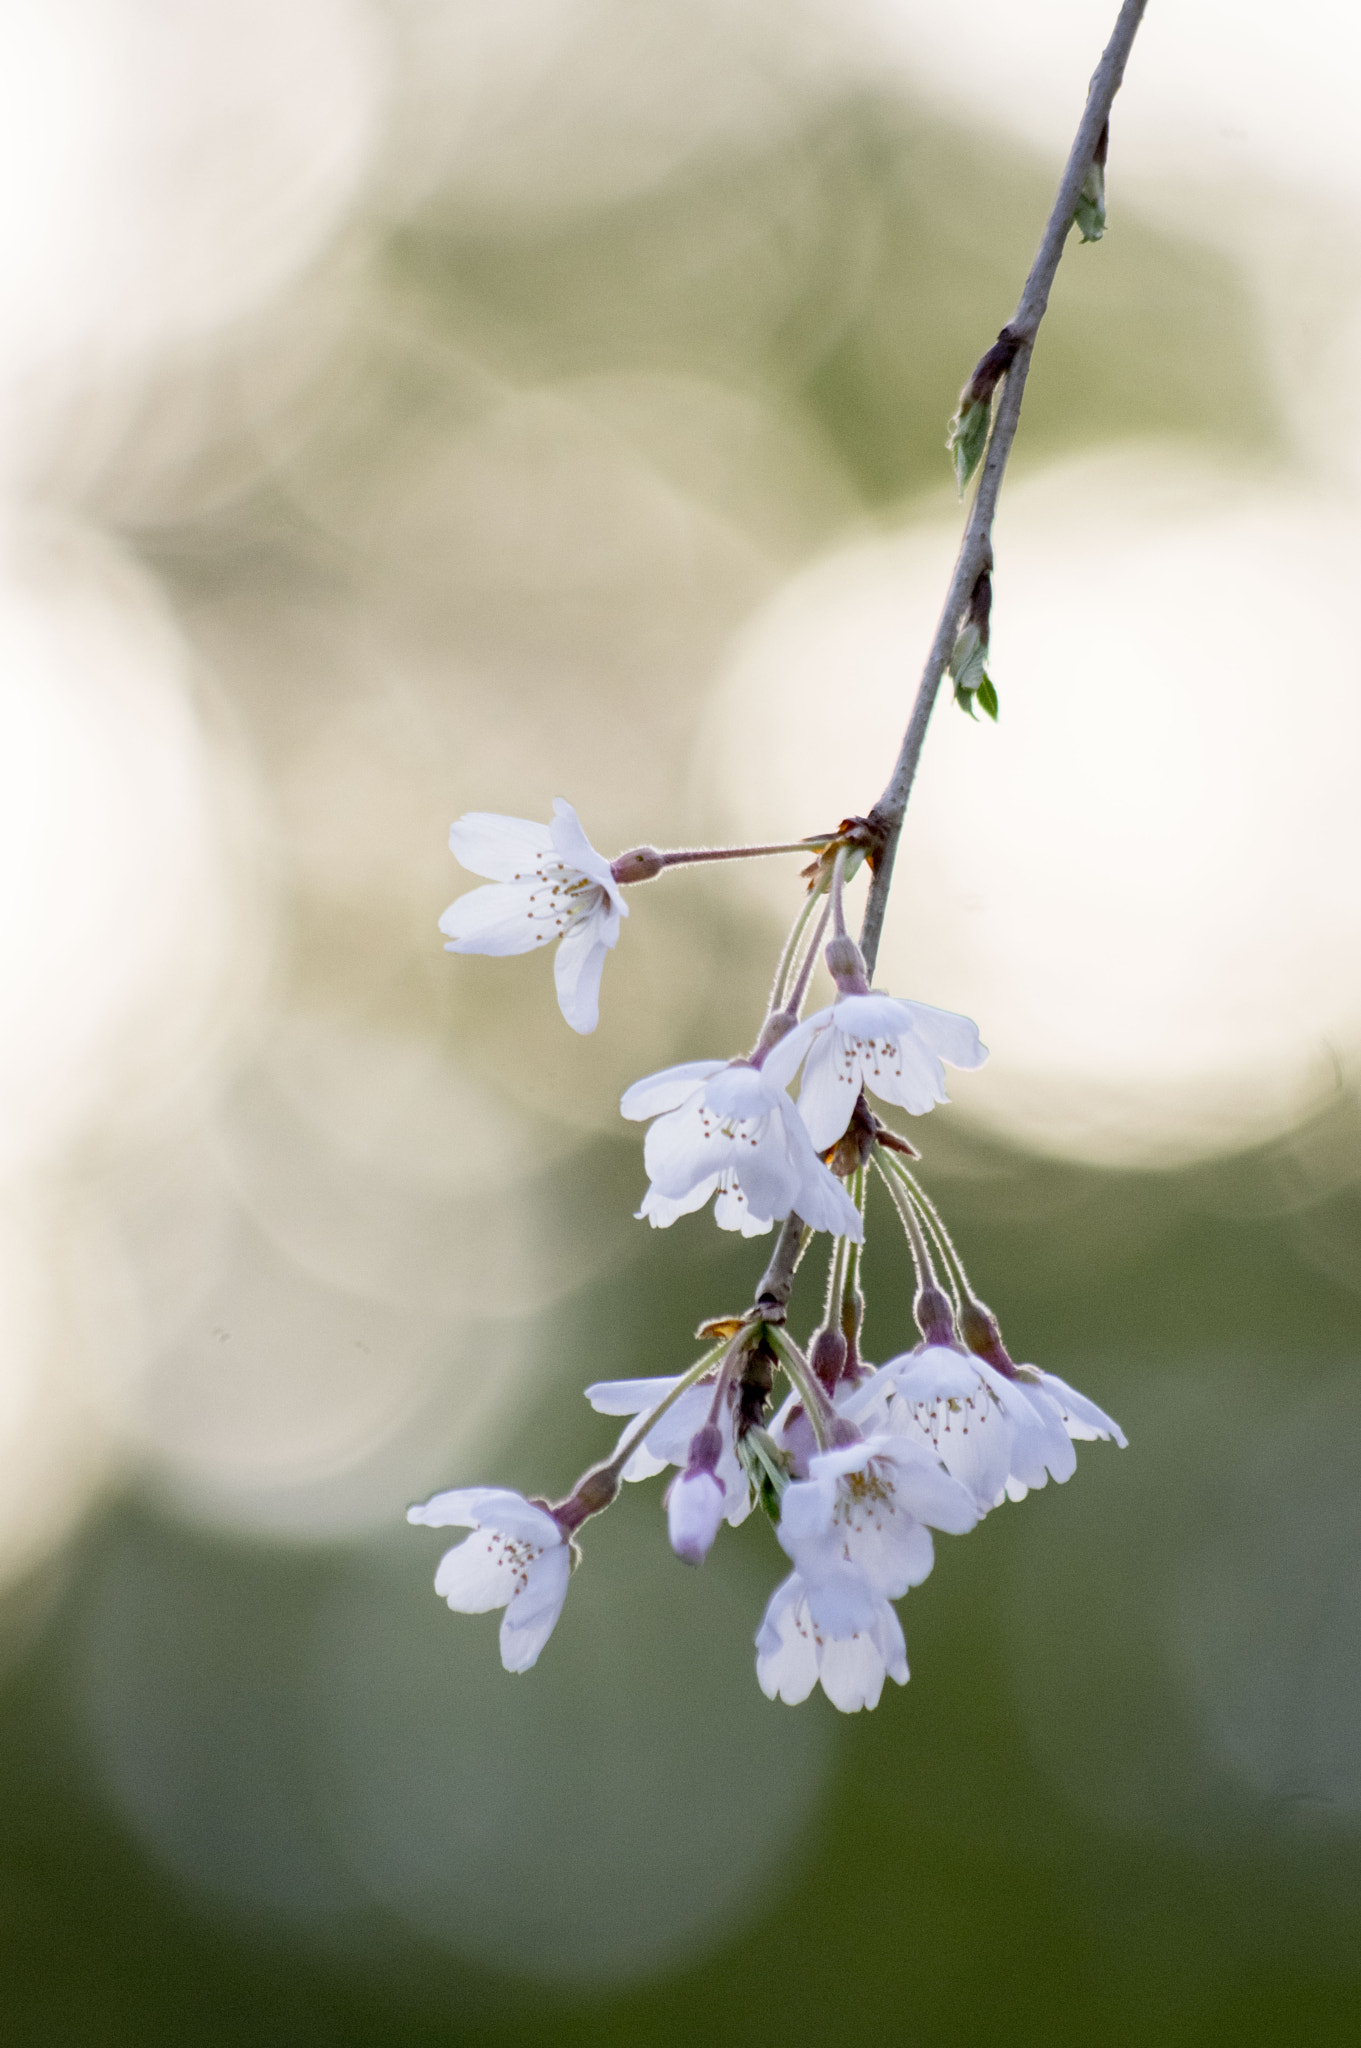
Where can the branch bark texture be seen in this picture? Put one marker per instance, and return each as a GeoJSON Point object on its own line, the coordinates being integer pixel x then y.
{"type": "Point", "coordinates": [975, 553]}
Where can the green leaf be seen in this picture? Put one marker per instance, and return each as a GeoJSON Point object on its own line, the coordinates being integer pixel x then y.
{"type": "Point", "coordinates": [964, 699]}
{"type": "Point", "coordinates": [1090, 211]}
{"type": "Point", "coordinates": [968, 659]}
{"type": "Point", "coordinates": [968, 437]}
{"type": "Point", "coordinates": [987, 698]}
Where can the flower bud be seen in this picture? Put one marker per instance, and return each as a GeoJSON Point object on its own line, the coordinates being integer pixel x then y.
{"type": "Point", "coordinates": [696, 1499]}
{"type": "Point", "coordinates": [827, 1356]}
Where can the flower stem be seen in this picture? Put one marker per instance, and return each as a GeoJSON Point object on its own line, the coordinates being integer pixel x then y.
{"type": "Point", "coordinates": [805, 1383]}
{"type": "Point", "coordinates": [975, 553]}
{"type": "Point", "coordinates": [629, 1444]}
{"type": "Point", "coordinates": [794, 1000]}
{"type": "Point", "coordinates": [791, 947]}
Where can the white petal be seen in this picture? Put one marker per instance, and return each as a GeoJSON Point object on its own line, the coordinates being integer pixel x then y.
{"type": "Point", "coordinates": [498, 847]}
{"type": "Point", "coordinates": [732, 1210]}
{"type": "Point", "coordinates": [578, 967]}
{"type": "Point", "coordinates": [831, 1083]}
{"type": "Point", "coordinates": [782, 1061]}
{"type": "Point", "coordinates": [629, 1397]}
{"type": "Point", "coordinates": [821, 1200]}
{"type": "Point", "coordinates": [498, 919]}
{"type": "Point", "coordinates": [786, 1654]}
{"type": "Point", "coordinates": [901, 1070]}
{"type": "Point", "coordinates": [768, 1172]}
{"type": "Point", "coordinates": [661, 1211]}
{"type": "Point", "coordinates": [842, 1602]}
{"type": "Point", "coordinates": [694, 1513]}
{"type": "Point", "coordinates": [806, 1509]}
{"type": "Point", "coordinates": [948, 1035]}
{"type": "Point", "coordinates": [532, 1614]}
{"type": "Point", "coordinates": [852, 1673]}
{"type": "Point", "coordinates": [1044, 1446]}
{"type": "Point", "coordinates": [683, 1148]}
{"type": "Point", "coordinates": [670, 1089]}
{"type": "Point", "coordinates": [574, 849]}
{"type": "Point", "coordinates": [1081, 1418]}
{"type": "Point", "coordinates": [493, 1507]}
{"type": "Point", "coordinates": [477, 1574]}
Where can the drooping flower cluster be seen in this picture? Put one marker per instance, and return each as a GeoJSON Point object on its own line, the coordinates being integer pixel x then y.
{"type": "Point", "coordinates": [860, 1464]}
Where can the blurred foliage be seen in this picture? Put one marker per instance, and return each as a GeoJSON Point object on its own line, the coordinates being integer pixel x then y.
{"type": "Point", "coordinates": [777, 339]}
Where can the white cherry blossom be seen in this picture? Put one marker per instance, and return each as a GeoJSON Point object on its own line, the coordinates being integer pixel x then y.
{"type": "Point", "coordinates": [891, 1047]}
{"type": "Point", "coordinates": [1063, 1417]}
{"type": "Point", "coordinates": [960, 1409]}
{"type": "Point", "coordinates": [730, 1127]}
{"type": "Point", "coordinates": [867, 1504]}
{"type": "Point", "coordinates": [546, 882]}
{"type": "Point", "coordinates": [517, 1558]}
{"type": "Point", "coordinates": [668, 1441]}
{"type": "Point", "coordinates": [838, 1630]}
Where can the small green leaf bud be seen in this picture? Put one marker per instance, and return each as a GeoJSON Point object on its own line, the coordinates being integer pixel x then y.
{"type": "Point", "coordinates": [968, 437]}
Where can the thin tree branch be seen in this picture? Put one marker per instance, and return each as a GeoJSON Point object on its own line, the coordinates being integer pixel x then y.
{"type": "Point", "coordinates": [1017, 341]}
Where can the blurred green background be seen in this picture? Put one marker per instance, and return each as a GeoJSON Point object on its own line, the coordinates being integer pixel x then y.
{"type": "Point", "coordinates": [600, 326]}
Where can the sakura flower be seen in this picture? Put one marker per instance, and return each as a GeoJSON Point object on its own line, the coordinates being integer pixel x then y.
{"type": "Point", "coordinates": [889, 1046]}
{"type": "Point", "coordinates": [1063, 1417]}
{"type": "Point", "coordinates": [960, 1409]}
{"type": "Point", "coordinates": [517, 1558]}
{"type": "Point", "coordinates": [866, 1504]}
{"type": "Point", "coordinates": [837, 1630]}
{"type": "Point", "coordinates": [547, 882]}
{"type": "Point", "coordinates": [670, 1439]}
{"type": "Point", "coordinates": [732, 1128]}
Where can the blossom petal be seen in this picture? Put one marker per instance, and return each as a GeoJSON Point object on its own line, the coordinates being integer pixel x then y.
{"type": "Point", "coordinates": [902, 1071]}
{"type": "Point", "coordinates": [671, 1089]}
{"type": "Point", "coordinates": [498, 919]}
{"type": "Point", "coordinates": [830, 1086]}
{"type": "Point", "coordinates": [662, 1210]}
{"type": "Point", "coordinates": [685, 1147]}
{"type": "Point", "coordinates": [786, 1654]}
{"type": "Point", "coordinates": [481, 1572]}
{"type": "Point", "coordinates": [575, 850]}
{"type": "Point", "coordinates": [533, 1613]}
{"type": "Point", "coordinates": [782, 1061]}
{"type": "Point", "coordinates": [950, 1036]}
{"type": "Point", "coordinates": [493, 1507]}
{"type": "Point", "coordinates": [578, 967]}
{"type": "Point", "coordinates": [503, 849]}
{"type": "Point", "coordinates": [854, 1669]}
{"type": "Point", "coordinates": [629, 1397]}
{"type": "Point", "coordinates": [821, 1201]}
{"type": "Point", "coordinates": [1081, 1418]}
{"type": "Point", "coordinates": [732, 1210]}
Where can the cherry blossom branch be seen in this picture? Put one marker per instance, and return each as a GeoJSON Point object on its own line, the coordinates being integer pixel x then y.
{"type": "Point", "coordinates": [1008, 361]}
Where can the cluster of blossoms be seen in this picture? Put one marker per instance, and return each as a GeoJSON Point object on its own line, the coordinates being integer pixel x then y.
{"type": "Point", "coordinates": [860, 1463]}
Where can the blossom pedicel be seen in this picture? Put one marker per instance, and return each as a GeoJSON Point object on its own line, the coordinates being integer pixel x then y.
{"type": "Point", "coordinates": [861, 1463]}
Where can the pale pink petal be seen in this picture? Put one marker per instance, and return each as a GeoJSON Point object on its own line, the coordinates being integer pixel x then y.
{"type": "Point", "coordinates": [502, 849]}
{"type": "Point", "coordinates": [575, 850]}
{"type": "Point", "coordinates": [498, 919]}
{"type": "Point", "coordinates": [670, 1089]}
{"type": "Point", "coordinates": [662, 1210]}
{"type": "Point", "coordinates": [830, 1086]}
{"type": "Point", "coordinates": [533, 1613]}
{"type": "Point", "coordinates": [578, 967]}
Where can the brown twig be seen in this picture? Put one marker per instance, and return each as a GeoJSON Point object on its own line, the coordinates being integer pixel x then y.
{"type": "Point", "coordinates": [1007, 362]}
